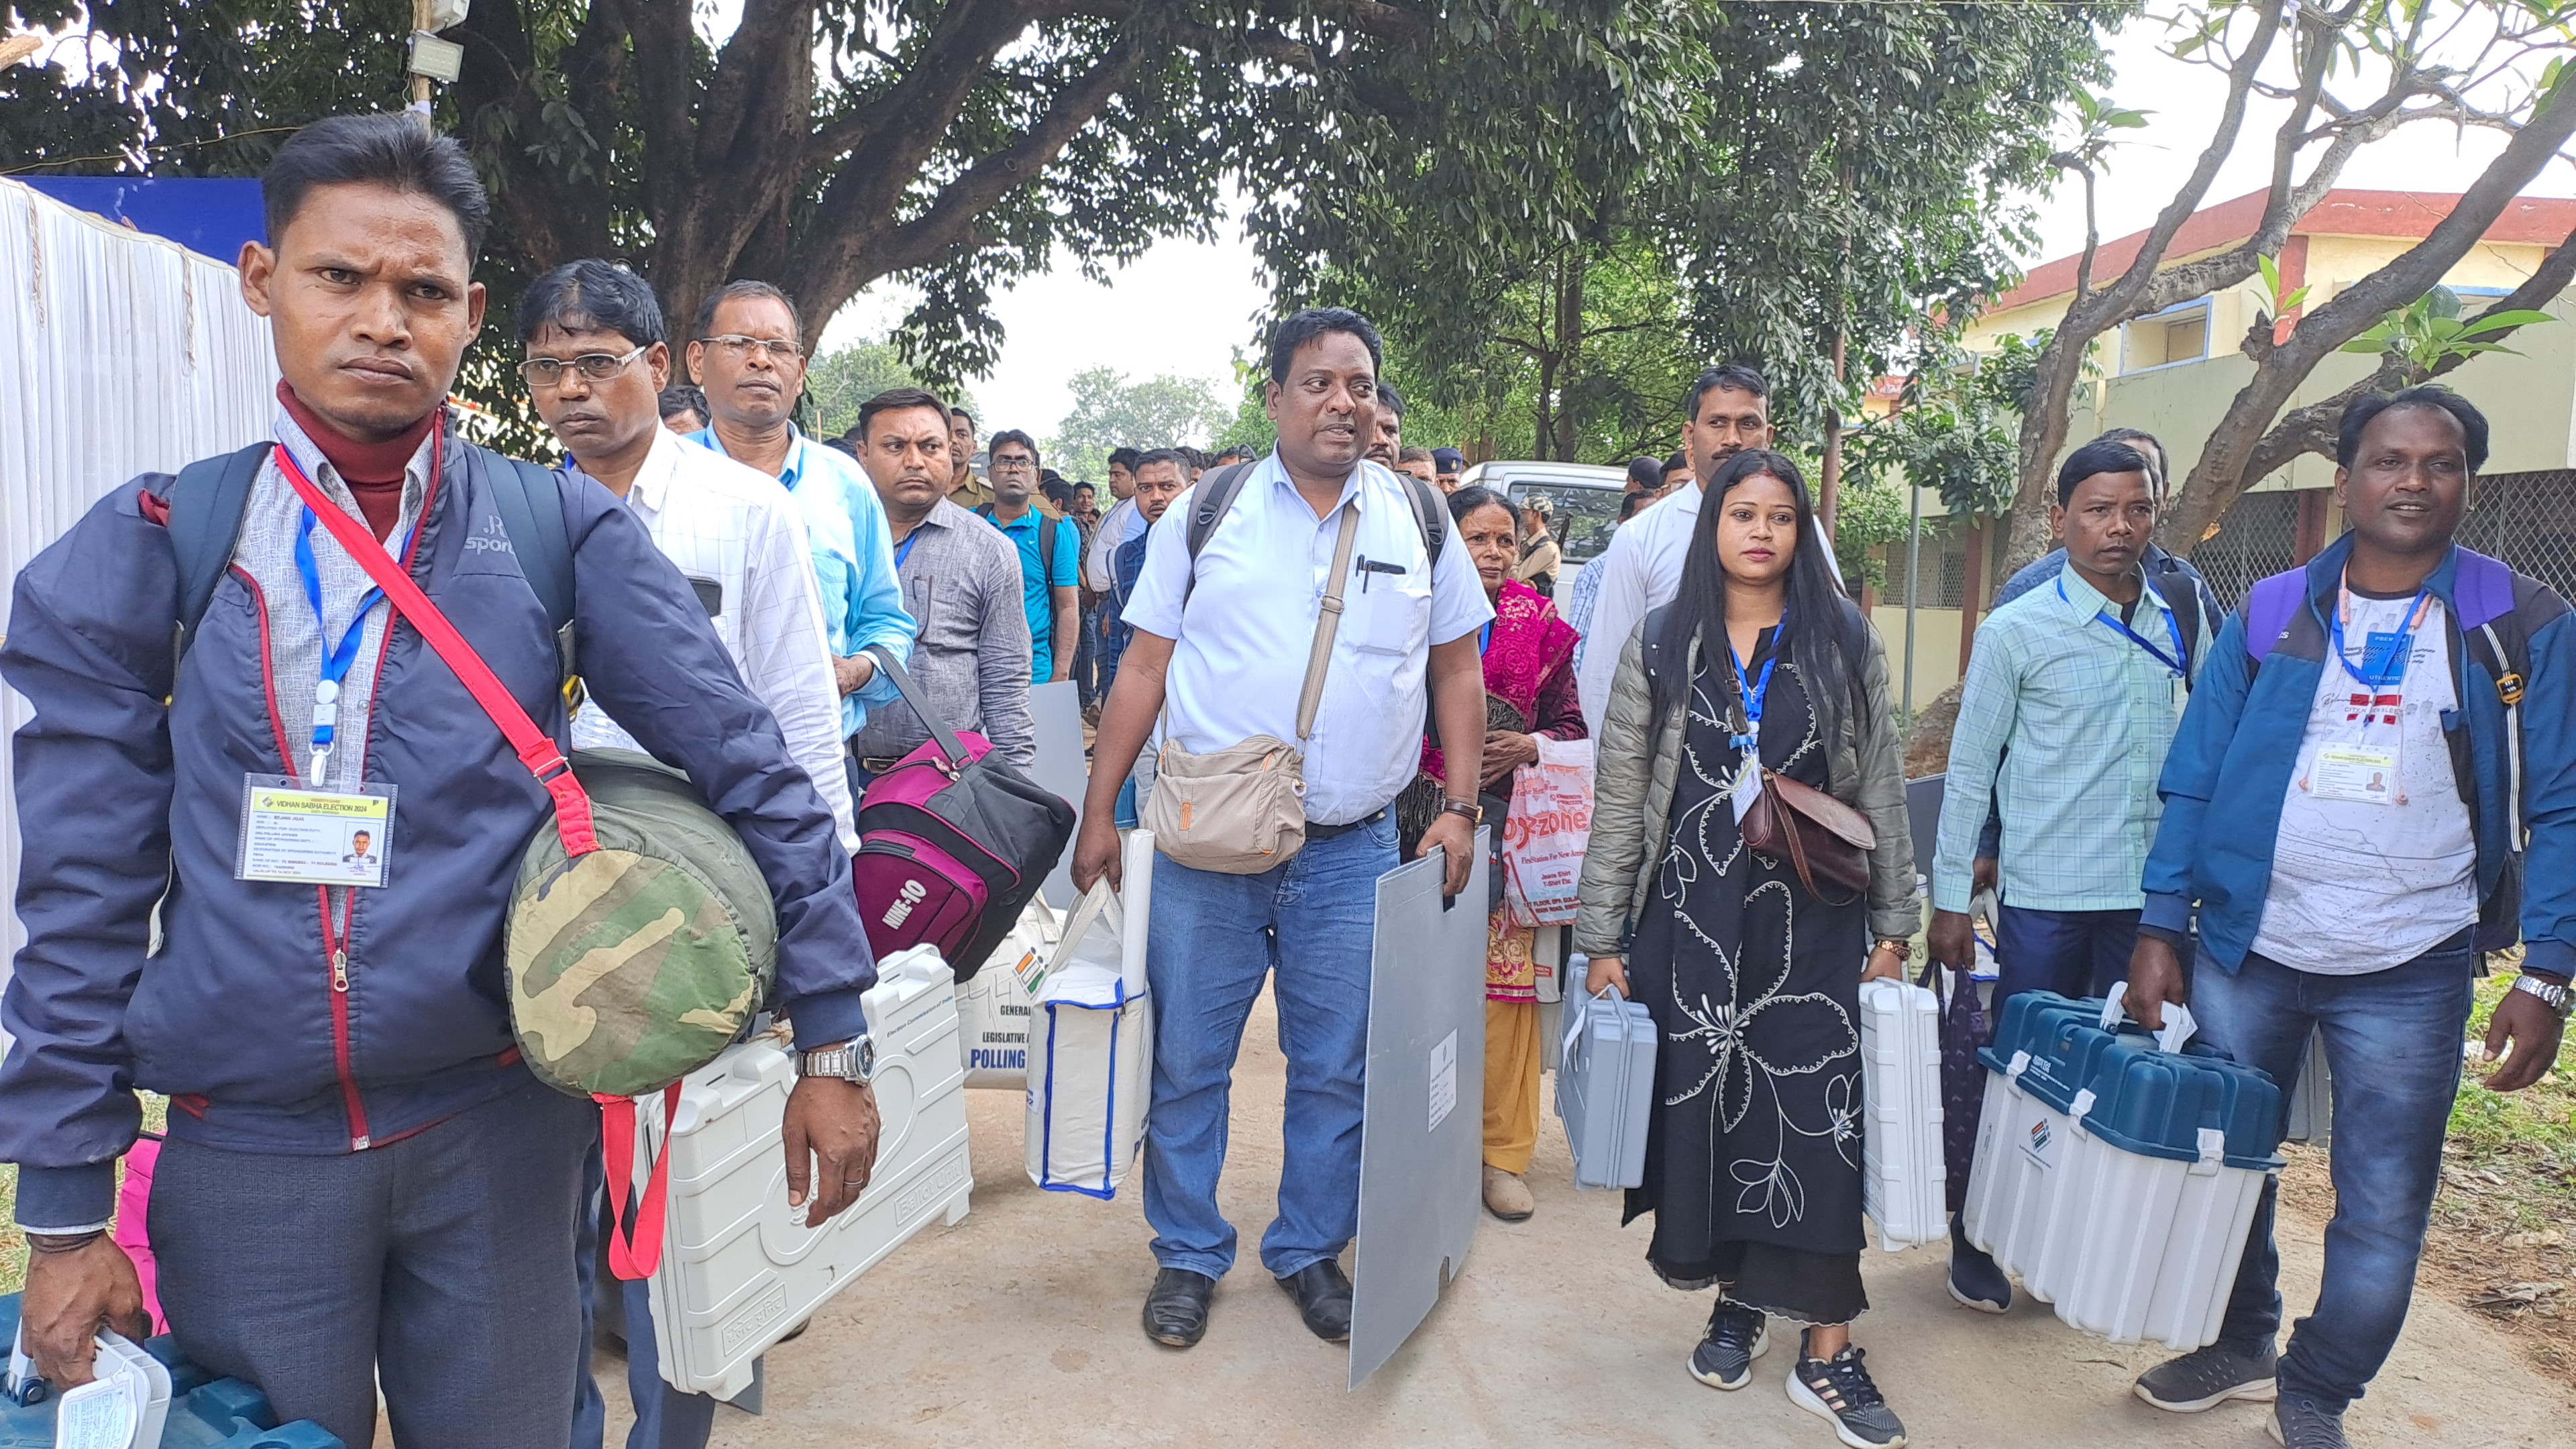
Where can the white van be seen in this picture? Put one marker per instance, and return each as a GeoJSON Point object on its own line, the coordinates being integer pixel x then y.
{"type": "Point", "coordinates": [1586, 496]}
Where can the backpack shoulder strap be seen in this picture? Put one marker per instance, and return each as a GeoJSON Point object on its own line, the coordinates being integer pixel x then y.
{"type": "Point", "coordinates": [1046, 549]}
{"type": "Point", "coordinates": [984, 511]}
{"type": "Point", "coordinates": [1216, 495]}
{"type": "Point", "coordinates": [2182, 595]}
{"type": "Point", "coordinates": [529, 499]}
{"type": "Point", "coordinates": [2269, 608]}
{"type": "Point", "coordinates": [206, 507]}
{"type": "Point", "coordinates": [530, 502]}
{"type": "Point", "coordinates": [1430, 514]}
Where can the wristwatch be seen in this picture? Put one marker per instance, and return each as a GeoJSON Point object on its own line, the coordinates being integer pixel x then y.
{"type": "Point", "coordinates": [2552, 994]}
{"type": "Point", "coordinates": [1473, 810]}
{"type": "Point", "coordinates": [1903, 948]}
{"type": "Point", "coordinates": [852, 1061]}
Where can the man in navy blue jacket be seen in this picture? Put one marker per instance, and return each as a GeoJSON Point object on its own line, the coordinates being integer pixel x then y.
{"type": "Point", "coordinates": [363, 1185]}
{"type": "Point", "coordinates": [2374, 784]}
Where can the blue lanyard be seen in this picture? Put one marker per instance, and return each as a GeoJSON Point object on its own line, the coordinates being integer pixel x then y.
{"type": "Point", "coordinates": [1485, 638]}
{"type": "Point", "coordinates": [2173, 661]}
{"type": "Point", "coordinates": [1753, 692]}
{"type": "Point", "coordinates": [905, 551]}
{"type": "Point", "coordinates": [336, 658]}
{"type": "Point", "coordinates": [2401, 649]}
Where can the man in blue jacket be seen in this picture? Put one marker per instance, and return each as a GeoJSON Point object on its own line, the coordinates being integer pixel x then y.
{"type": "Point", "coordinates": [363, 1185]}
{"type": "Point", "coordinates": [2373, 784]}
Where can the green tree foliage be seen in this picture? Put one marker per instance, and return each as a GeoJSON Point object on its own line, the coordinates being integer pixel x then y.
{"type": "Point", "coordinates": [1776, 177]}
{"type": "Point", "coordinates": [838, 381]}
{"type": "Point", "coordinates": [1110, 412]}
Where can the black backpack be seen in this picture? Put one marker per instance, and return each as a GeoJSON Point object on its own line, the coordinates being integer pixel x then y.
{"type": "Point", "coordinates": [207, 502]}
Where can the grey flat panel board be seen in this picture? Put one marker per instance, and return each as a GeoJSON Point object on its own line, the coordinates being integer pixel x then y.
{"type": "Point", "coordinates": [1062, 767]}
{"type": "Point", "coordinates": [1422, 1131]}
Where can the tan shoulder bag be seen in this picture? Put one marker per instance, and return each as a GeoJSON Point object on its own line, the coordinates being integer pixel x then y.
{"type": "Point", "coordinates": [1242, 809]}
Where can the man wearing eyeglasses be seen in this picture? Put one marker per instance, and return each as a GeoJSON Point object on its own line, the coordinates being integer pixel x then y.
{"type": "Point", "coordinates": [749, 356]}
{"type": "Point", "coordinates": [596, 363]}
{"type": "Point", "coordinates": [1050, 554]}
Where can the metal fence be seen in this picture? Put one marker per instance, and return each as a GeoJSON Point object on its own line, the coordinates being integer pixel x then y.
{"type": "Point", "coordinates": [2529, 521]}
{"type": "Point", "coordinates": [2257, 538]}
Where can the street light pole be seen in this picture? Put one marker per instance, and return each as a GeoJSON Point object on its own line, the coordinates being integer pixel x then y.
{"type": "Point", "coordinates": [420, 25]}
{"type": "Point", "coordinates": [1913, 583]}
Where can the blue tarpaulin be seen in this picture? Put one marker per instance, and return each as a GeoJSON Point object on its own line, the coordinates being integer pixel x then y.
{"type": "Point", "coordinates": [209, 215]}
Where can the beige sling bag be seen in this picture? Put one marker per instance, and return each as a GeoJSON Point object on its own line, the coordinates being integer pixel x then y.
{"type": "Point", "coordinates": [1242, 809]}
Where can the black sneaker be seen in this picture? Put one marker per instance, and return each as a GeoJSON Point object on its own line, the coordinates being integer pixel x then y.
{"type": "Point", "coordinates": [2300, 1422]}
{"type": "Point", "coordinates": [1975, 1279]}
{"type": "Point", "coordinates": [1737, 1336]}
{"type": "Point", "coordinates": [2208, 1377]}
{"type": "Point", "coordinates": [1839, 1389]}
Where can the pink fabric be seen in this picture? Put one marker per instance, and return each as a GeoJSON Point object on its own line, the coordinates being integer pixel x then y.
{"type": "Point", "coordinates": [1530, 644]}
{"type": "Point", "coordinates": [133, 1205]}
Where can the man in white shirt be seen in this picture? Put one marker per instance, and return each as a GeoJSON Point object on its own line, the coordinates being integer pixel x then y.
{"type": "Point", "coordinates": [1730, 411]}
{"type": "Point", "coordinates": [732, 532]}
{"type": "Point", "coordinates": [1223, 640]}
{"type": "Point", "coordinates": [596, 361]}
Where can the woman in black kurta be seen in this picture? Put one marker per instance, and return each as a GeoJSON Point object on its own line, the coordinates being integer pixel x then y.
{"type": "Point", "coordinates": [1752, 974]}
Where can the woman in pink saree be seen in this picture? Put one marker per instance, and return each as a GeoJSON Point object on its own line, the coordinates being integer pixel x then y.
{"type": "Point", "coordinates": [1529, 693]}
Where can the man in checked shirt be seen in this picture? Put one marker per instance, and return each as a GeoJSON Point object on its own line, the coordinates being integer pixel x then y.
{"type": "Point", "coordinates": [596, 363]}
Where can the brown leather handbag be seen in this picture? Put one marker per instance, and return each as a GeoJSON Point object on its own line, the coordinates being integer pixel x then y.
{"type": "Point", "coordinates": [1821, 837]}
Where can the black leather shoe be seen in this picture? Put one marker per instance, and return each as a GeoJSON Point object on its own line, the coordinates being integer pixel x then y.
{"type": "Point", "coordinates": [1323, 1296]}
{"type": "Point", "coordinates": [1176, 1310]}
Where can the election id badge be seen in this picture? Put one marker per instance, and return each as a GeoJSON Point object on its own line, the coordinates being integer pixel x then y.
{"type": "Point", "coordinates": [2362, 774]}
{"type": "Point", "coordinates": [304, 836]}
{"type": "Point", "coordinates": [1748, 786]}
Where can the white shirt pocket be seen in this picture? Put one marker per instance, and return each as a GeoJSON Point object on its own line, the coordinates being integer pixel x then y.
{"type": "Point", "coordinates": [1391, 616]}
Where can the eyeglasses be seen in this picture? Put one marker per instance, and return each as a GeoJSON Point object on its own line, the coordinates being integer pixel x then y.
{"type": "Point", "coordinates": [740, 348]}
{"type": "Point", "coordinates": [596, 366]}
{"type": "Point", "coordinates": [1015, 462]}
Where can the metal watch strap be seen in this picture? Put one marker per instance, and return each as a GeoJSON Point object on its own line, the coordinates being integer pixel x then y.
{"type": "Point", "coordinates": [852, 1061]}
{"type": "Point", "coordinates": [2552, 994]}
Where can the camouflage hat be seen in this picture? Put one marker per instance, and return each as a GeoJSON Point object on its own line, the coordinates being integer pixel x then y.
{"type": "Point", "coordinates": [634, 965]}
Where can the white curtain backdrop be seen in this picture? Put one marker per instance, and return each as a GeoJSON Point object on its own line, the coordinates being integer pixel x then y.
{"type": "Point", "coordinates": [120, 354]}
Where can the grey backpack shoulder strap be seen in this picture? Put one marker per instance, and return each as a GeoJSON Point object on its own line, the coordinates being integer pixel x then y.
{"type": "Point", "coordinates": [1216, 495]}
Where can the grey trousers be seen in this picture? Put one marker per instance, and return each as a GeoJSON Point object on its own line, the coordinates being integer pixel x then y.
{"type": "Point", "coordinates": [440, 1266]}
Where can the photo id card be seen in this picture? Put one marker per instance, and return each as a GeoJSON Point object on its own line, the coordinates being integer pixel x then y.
{"type": "Point", "coordinates": [1748, 787]}
{"type": "Point", "coordinates": [2360, 773]}
{"type": "Point", "coordinates": [305, 836]}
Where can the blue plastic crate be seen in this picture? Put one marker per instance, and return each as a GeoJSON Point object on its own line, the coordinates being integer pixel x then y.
{"type": "Point", "coordinates": [205, 1412]}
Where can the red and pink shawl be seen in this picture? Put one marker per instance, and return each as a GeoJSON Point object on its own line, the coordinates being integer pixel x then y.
{"type": "Point", "coordinates": [1529, 664]}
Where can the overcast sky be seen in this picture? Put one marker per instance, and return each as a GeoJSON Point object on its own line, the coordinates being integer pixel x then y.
{"type": "Point", "coordinates": [1185, 306]}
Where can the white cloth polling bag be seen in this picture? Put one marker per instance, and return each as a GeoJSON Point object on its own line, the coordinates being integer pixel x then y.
{"type": "Point", "coordinates": [1091, 1039]}
{"type": "Point", "coordinates": [993, 1010]}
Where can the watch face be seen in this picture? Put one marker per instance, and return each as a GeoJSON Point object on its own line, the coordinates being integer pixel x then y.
{"type": "Point", "coordinates": [867, 1058]}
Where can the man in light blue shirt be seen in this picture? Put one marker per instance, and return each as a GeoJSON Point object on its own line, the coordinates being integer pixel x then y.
{"type": "Point", "coordinates": [2070, 705]}
{"type": "Point", "coordinates": [749, 356]}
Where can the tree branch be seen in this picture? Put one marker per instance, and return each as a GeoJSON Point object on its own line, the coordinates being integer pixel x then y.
{"type": "Point", "coordinates": [2312, 429]}
{"type": "Point", "coordinates": [2221, 474]}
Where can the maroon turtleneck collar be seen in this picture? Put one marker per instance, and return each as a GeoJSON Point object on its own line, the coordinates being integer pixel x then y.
{"type": "Point", "coordinates": [373, 471]}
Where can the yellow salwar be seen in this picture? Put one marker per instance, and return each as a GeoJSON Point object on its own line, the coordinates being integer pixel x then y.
{"type": "Point", "coordinates": [1511, 1084]}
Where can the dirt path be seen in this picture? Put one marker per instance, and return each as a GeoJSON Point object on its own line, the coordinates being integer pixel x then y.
{"type": "Point", "coordinates": [1018, 1327]}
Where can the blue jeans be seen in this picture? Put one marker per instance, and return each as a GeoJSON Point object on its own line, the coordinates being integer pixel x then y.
{"type": "Point", "coordinates": [1214, 938]}
{"type": "Point", "coordinates": [2392, 1041]}
{"type": "Point", "coordinates": [2073, 953]}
